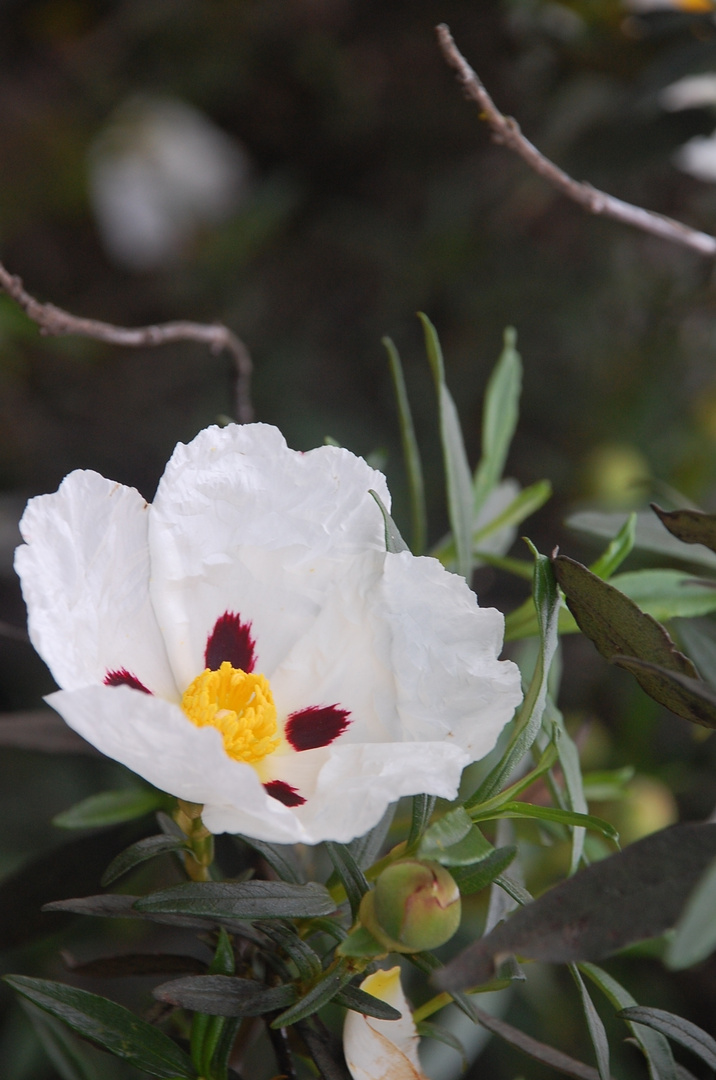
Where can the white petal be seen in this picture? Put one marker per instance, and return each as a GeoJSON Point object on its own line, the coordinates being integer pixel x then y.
{"type": "Point", "coordinates": [84, 569]}
{"type": "Point", "coordinates": [382, 1049]}
{"type": "Point", "coordinates": [241, 523]}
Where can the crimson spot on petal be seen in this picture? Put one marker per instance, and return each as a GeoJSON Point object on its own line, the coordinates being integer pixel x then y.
{"type": "Point", "coordinates": [122, 677]}
{"type": "Point", "coordinates": [316, 726]}
{"type": "Point", "coordinates": [279, 789]}
{"type": "Point", "coordinates": [231, 641]}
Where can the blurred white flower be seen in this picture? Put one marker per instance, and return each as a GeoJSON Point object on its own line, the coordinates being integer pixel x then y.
{"type": "Point", "coordinates": [382, 1049]}
{"type": "Point", "coordinates": [691, 92]}
{"type": "Point", "coordinates": [159, 171]}
{"type": "Point", "coordinates": [379, 673]}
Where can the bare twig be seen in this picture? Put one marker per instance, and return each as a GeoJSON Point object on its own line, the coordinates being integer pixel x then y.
{"type": "Point", "coordinates": [506, 130]}
{"type": "Point", "coordinates": [58, 323]}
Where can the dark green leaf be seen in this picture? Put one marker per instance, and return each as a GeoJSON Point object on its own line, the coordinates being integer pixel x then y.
{"type": "Point", "coordinates": [245, 900]}
{"type": "Point", "coordinates": [457, 470]}
{"type": "Point", "coordinates": [120, 906]}
{"type": "Point", "coordinates": [132, 964]}
{"type": "Point", "coordinates": [280, 857]}
{"type": "Point", "coordinates": [411, 454]}
{"type": "Point", "coordinates": [325, 1049]}
{"type": "Point", "coordinates": [619, 628]}
{"type": "Point", "coordinates": [308, 963]}
{"type": "Point", "coordinates": [110, 808]}
{"type": "Point", "coordinates": [394, 542]}
{"type": "Point", "coordinates": [107, 1024]}
{"type": "Point", "coordinates": [350, 874]}
{"type": "Point", "coordinates": [351, 997]}
{"type": "Point", "coordinates": [692, 699]}
{"type": "Point", "coordinates": [636, 894]}
{"type": "Point", "coordinates": [319, 995]}
{"type": "Point", "coordinates": [139, 853]}
{"type": "Point", "coordinates": [691, 526]}
{"type": "Point", "coordinates": [674, 1027]}
{"type": "Point", "coordinates": [366, 849]}
{"type": "Point", "coordinates": [472, 879]}
{"type": "Point", "coordinates": [224, 962]}
{"type": "Point", "coordinates": [499, 418]}
{"type": "Point", "coordinates": [225, 995]}
{"type": "Point", "coordinates": [653, 1045]}
{"type": "Point", "coordinates": [597, 1031]}
{"type": "Point", "coordinates": [62, 1047]}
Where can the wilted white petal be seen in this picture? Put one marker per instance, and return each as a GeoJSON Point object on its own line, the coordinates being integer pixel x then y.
{"type": "Point", "coordinates": [382, 1049]}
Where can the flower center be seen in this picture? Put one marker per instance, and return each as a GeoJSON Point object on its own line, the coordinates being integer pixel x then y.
{"type": "Point", "coordinates": [240, 705]}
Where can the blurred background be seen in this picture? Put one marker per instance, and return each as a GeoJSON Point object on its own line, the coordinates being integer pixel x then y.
{"type": "Point", "coordinates": [308, 172]}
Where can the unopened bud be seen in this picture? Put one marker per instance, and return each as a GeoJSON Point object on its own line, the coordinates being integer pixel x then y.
{"type": "Point", "coordinates": [415, 905]}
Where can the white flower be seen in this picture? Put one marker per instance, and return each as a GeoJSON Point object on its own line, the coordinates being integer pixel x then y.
{"type": "Point", "coordinates": [247, 643]}
{"type": "Point", "coordinates": [382, 1049]}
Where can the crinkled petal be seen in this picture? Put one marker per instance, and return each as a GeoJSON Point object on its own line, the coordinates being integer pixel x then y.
{"type": "Point", "coordinates": [241, 523]}
{"type": "Point", "coordinates": [382, 1049]}
{"type": "Point", "coordinates": [156, 740]}
{"type": "Point", "coordinates": [402, 644]}
{"type": "Point", "coordinates": [85, 574]}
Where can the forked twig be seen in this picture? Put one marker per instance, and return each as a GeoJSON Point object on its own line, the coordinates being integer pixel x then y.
{"type": "Point", "coordinates": [55, 322]}
{"type": "Point", "coordinates": [506, 130]}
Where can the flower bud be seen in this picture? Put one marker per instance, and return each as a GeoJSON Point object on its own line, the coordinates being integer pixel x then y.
{"type": "Point", "coordinates": [415, 905]}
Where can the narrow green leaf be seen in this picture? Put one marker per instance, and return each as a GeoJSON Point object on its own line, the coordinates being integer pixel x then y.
{"type": "Point", "coordinates": [62, 1048]}
{"type": "Point", "coordinates": [444, 833]}
{"type": "Point", "coordinates": [280, 857]}
{"type": "Point", "coordinates": [549, 813]}
{"type": "Point", "coordinates": [597, 1032]}
{"type": "Point", "coordinates": [350, 874]}
{"type": "Point", "coordinates": [608, 785]}
{"type": "Point", "coordinates": [244, 900]}
{"type": "Point", "coordinates": [138, 853]}
{"type": "Point", "coordinates": [457, 469]}
{"type": "Point", "coordinates": [674, 1027]}
{"type": "Point", "coordinates": [668, 594]}
{"type": "Point", "coordinates": [422, 808]}
{"type": "Point", "coordinates": [690, 526]}
{"type": "Point", "coordinates": [366, 849]}
{"type": "Point", "coordinates": [107, 1024]}
{"type": "Point", "coordinates": [547, 1055]}
{"type": "Point", "coordinates": [225, 995]}
{"type": "Point", "coordinates": [695, 935]}
{"type": "Point", "coordinates": [428, 1030]}
{"type": "Point", "coordinates": [110, 808]}
{"type": "Point", "coordinates": [475, 878]}
{"type": "Point", "coordinates": [697, 638]}
{"type": "Point", "coordinates": [499, 418]}
{"type": "Point", "coordinates": [617, 550]}
{"type": "Point", "coordinates": [394, 542]}
{"type": "Point", "coordinates": [650, 536]}
{"type": "Point", "coordinates": [308, 963]}
{"type": "Point", "coordinates": [411, 454]}
{"type": "Point", "coordinates": [319, 995]}
{"type": "Point", "coordinates": [653, 1045]}
{"type": "Point", "coordinates": [528, 719]}
{"type": "Point", "coordinates": [633, 895]}
{"type": "Point", "coordinates": [575, 797]}
{"type": "Point", "coordinates": [545, 763]}
{"type": "Point", "coordinates": [352, 997]}
{"type": "Point", "coordinates": [527, 502]}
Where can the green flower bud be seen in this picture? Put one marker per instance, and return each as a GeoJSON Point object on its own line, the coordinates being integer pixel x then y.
{"type": "Point", "coordinates": [415, 905]}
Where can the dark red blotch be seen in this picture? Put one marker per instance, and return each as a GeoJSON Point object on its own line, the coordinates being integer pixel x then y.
{"type": "Point", "coordinates": [279, 789]}
{"type": "Point", "coordinates": [316, 726]}
{"type": "Point", "coordinates": [122, 677]}
{"type": "Point", "coordinates": [231, 641]}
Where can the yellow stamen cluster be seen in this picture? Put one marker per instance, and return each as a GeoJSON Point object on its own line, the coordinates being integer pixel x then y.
{"type": "Point", "coordinates": [241, 707]}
